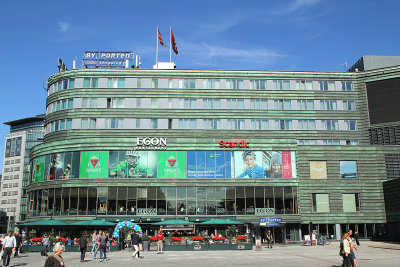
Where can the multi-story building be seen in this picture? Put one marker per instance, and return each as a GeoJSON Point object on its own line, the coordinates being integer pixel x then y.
{"type": "Point", "coordinates": [24, 134]}
{"type": "Point", "coordinates": [145, 145]}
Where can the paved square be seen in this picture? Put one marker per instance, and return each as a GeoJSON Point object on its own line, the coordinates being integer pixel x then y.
{"type": "Point", "coordinates": [369, 254]}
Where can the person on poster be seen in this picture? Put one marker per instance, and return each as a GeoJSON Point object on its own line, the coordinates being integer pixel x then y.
{"type": "Point", "coordinates": [275, 170]}
{"type": "Point", "coordinates": [252, 169]}
{"type": "Point", "coordinates": [131, 167]}
{"type": "Point", "coordinates": [56, 171]}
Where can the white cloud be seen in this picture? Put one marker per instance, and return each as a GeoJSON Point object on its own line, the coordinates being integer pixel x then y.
{"type": "Point", "coordinates": [294, 6]}
{"type": "Point", "coordinates": [63, 26]}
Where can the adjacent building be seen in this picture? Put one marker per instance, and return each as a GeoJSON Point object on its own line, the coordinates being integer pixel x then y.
{"type": "Point", "coordinates": [294, 151]}
{"type": "Point", "coordinates": [24, 134]}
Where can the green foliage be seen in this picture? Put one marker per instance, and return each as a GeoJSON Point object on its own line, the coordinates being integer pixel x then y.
{"type": "Point", "coordinates": [145, 237]}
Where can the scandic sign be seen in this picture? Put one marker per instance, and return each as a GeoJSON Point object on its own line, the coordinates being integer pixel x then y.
{"type": "Point", "coordinates": [240, 144]}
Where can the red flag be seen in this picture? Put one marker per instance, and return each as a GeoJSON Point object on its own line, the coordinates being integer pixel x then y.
{"type": "Point", "coordinates": [160, 38]}
{"type": "Point", "coordinates": [173, 43]}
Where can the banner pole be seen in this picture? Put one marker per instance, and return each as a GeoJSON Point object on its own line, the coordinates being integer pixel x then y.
{"type": "Point", "coordinates": [170, 44]}
{"type": "Point", "coordinates": [157, 48]}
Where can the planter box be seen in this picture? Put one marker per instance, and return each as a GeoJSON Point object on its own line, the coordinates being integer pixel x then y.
{"type": "Point", "coordinates": [196, 247]}
{"type": "Point", "coordinates": [37, 248]}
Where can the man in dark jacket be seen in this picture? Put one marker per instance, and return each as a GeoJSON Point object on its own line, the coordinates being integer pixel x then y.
{"type": "Point", "coordinates": [135, 243]}
{"type": "Point", "coordinates": [18, 240]}
{"type": "Point", "coordinates": [357, 237]}
{"type": "Point", "coordinates": [83, 244]}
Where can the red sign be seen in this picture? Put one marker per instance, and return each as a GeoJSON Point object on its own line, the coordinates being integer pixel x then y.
{"type": "Point", "coordinates": [286, 164]}
{"type": "Point", "coordinates": [94, 162]}
{"type": "Point", "coordinates": [172, 162]}
{"type": "Point", "coordinates": [242, 143]}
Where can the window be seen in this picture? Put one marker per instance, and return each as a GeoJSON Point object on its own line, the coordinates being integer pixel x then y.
{"type": "Point", "coordinates": [234, 124]}
{"type": "Point", "coordinates": [348, 169]}
{"type": "Point", "coordinates": [190, 103]}
{"type": "Point", "coordinates": [187, 123]}
{"type": "Point", "coordinates": [259, 125]}
{"type": "Point", "coordinates": [258, 104]}
{"type": "Point", "coordinates": [71, 84]}
{"type": "Point", "coordinates": [84, 123]}
{"type": "Point", "coordinates": [170, 83]}
{"type": "Point", "coordinates": [258, 84]}
{"type": "Point", "coordinates": [350, 125]}
{"type": "Point", "coordinates": [153, 123]}
{"type": "Point", "coordinates": [116, 83]}
{"type": "Point", "coordinates": [209, 103]}
{"type": "Point", "coordinates": [235, 103]}
{"type": "Point", "coordinates": [306, 124]}
{"type": "Point", "coordinates": [137, 123]}
{"type": "Point", "coordinates": [349, 105]}
{"type": "Point", "coordinates": [138, 102]}
{"type": "Point", "coordinates": [278, 104]}
{"type": "Point", "coordinates": [281, 85]}
{"type": "Point", "coordinates": [330, 125]}
{"type": "Point", "coordinates": [117, 102]}
{"type": "Point", "coordinates": [90, 83]}
{"type": "Point", "coordinates": [211, 84]}
{"type": "Point", "coordinates": [351, 202]}
{"type": "Point", "coordinates": [328, 104]}
{"type": "Point", "coordinates": [318, 170]}
{"type": "Point", "coordinates": [327, 85]}
{"type": "Point", "coordinates": [234, 84]}
{"type": "Point", "coordinates": [58, 106]}
{"type": "Point", "coordinates": [88, 123]}
{"type": "Point", "coordinates": [212, 124]}
{"type": "Point", "coordinates": [331, 142]}
{"type": "Point", "coordinates": [305, 104]}
{"type": "Point", "coordinates": [283, 124]}
{"type": "Point", "coordinates": [154, 83]}
{"type": "Point", "coordinates": [304, 85]}
{"type": "Point", "coordinates": [187, 84]}
{"type": "Point", "coordinates": [139, 83]}
{"type": "Point", "coordinates": [347, 86]}
{"type": "Point", "coordinates": [68, 124]}
{"type": "Point", "coordinates": [154, 103]}
{"type": "Point", "coordinates": [89, 102]}
{"type": "Point", "coordinates": [115, 123]}
{"type": "Point", "coordinates": [320, 202]}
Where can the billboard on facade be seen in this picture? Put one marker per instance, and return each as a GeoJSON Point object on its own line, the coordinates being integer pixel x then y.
{"type": "Point", "coordinates": [94, 164]}
{"type": "Point", "coordinates": [208, 164]}
{"type": "Point", "coordinates": [132, 164]}
{"type": "Point", "coordinates": [38, 167]}
{"type": "Point", "coordinates": [171, 164]}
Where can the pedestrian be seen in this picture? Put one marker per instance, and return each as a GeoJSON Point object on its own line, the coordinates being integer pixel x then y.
{"type": "Point", "coordinates": [45, 244]}
{"type": "Point", "coordinates": [103, 247]}
{"type": "Point", "coordinates": [94, 247]}
{"type": "Point", "coordinates": [357, 238]}
{"type": "Point", "coordinates": [83, 244]}
{"type": "Point", "coordinates": [135, 243]}
{"type": "Point", "coordinates": [108, 242]}
{"type": "Point", "coordinates": [9, 245]}
{"type": "Point", "coordinates": [18, 240]}
{"type": "Point", "coordinates": [270, 239]}
{"type": "Point", "coordinates": [55, 259]}
{"type": "Point", "coordinates": [97, 243]}
{"type": "Point", "coordinates": [160, 240]}
{"type": "Point", "coordinates": [346, 251]}
{"type": "Point", "coordinates": [352, 248]}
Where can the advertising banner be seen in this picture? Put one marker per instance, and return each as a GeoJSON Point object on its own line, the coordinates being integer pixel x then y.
{"type": "Point", "coordinates": [55, 168]}
{"type": "Point", "coordinates": [132, 164]}
{"type": "Point", "coordinates": [171, 164]}
{"type": "Point", "coordinates": [249, 164]}
{"type": "Point", "coordinates": [209, 164]}
{"type": "Point", "coordinates": [94, 164]}
{"type": "Point", "coordinates": [38, 169]}
{"type": "Point", "coordinates": [318, 170]}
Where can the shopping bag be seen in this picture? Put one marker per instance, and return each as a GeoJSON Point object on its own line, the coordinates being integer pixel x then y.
{"type": "Point", "coordinates": [140, 247]}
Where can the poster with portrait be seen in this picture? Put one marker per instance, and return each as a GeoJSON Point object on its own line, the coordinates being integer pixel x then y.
{"type": "Point", "coordinates": [279, 164]}
{"type": "Point", "coordinates": [94, 164]}
{"type": "Point", "coordinates": [249, 164]}
{"type": "Point", "coordinates": [132, 164]}
{"type": "Point", "coordinates": [55, 167]}
{"type": "Point", "coordinates": [348, 169]}
{"type": "Point", "coordinates": [71, 162]}
{"type": "Point", "coordinates": [171, 164]}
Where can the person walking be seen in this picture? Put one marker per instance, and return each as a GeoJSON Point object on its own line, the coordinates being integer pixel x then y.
{"type": "Point", "coordinates": [270, 239]}
{"type": "Point", "coordinates": [9, 245]}
{"type": "Point", "coordinates": [97, 244]}
{"type": "Point", "coordinates": [160, 240]}
{"type": "Point", "coordinates": [18, 240]}
{"type": "Point", "coordinates": [347, 262]}
{"type": "Point", "coordinates": [103, 247]}
{"type": "Point", "coordinates": [357, 238]}
{"type": "Point", "coordinates": [55, 259]}
{"type": "Point", "coordinates": [83, 244]}
{"type": "Point", "coordinates": [135, 243]}
{"type": "Point", "coordinates": [45, 244]}
{"type": "Point", "coordinates": [94, 247]}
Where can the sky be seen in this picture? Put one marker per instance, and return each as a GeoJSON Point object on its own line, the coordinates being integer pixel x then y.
{"type": "Point", "coordinates": [292, 35]}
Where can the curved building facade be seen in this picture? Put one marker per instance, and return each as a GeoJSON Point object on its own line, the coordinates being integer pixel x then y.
{"type": "Point", "coordinates": [147, 145]}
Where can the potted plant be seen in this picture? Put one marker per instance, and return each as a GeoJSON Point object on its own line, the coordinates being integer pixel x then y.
{"type": "Point", "coordinates": [145, 241]}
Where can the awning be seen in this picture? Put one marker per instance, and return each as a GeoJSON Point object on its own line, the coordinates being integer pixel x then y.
{"type": "Point", "coordinates": [220, 222]}
{"type": "Point", "coordinates": [174, 222]}
{"type": "Point", "coordinates": [50, 222]}
{"type": "Point", "coordinates": [95, 223]}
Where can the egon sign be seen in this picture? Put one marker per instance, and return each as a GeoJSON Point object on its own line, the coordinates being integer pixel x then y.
{"type": "Point", "coordinates": [151, 143]}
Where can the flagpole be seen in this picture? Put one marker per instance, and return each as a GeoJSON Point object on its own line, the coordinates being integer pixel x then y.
{"type": "Point", "coordinates": [170, 44]}
{"type": "Point", "coordinates": [157, 48]}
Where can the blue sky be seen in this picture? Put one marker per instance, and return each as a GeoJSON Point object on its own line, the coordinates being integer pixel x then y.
{"type": "Point", "coordinates": [309, 35]}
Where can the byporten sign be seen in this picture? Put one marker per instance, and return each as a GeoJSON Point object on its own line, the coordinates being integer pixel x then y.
{"type": "Point", "coordinates": [106, 60]}
{"type": "Point", "coordinates": [268, 222]}
{"type": "Point", "coordinates": [151, 143]}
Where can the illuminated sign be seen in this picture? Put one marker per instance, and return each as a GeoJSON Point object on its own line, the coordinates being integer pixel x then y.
{"type": "Point", "coordinates": [151, 143]}
{"type": "Point", "coordinates": [269, 221]}
{"type": "Point", "coordinates": [240, 144]}
{"type": "Point", "coordinates": [104, 59]}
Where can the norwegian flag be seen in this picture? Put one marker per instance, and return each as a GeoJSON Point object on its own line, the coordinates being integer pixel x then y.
{"type": "Point", "coordinates": [159, 36]}
{"type": "Point", "coordinates": [173, 43]}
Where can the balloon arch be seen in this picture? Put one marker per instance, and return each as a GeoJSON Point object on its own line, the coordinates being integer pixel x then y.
{"type": "Point", "coordinates": [127, 224]}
